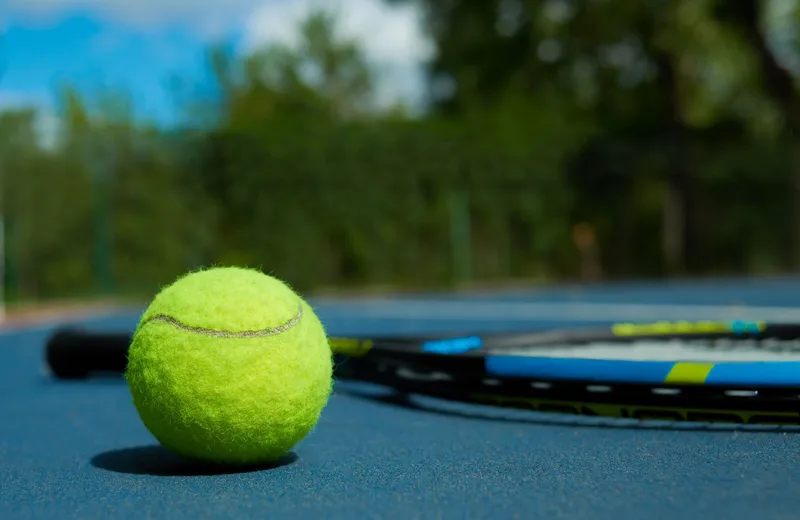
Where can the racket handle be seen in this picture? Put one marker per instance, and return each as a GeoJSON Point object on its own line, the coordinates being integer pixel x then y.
{"type": "Point", "coordinates": [75, 353]}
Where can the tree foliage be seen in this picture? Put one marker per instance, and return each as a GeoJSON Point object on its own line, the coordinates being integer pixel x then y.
{"type": "Point", "coordinates": [655, 138]}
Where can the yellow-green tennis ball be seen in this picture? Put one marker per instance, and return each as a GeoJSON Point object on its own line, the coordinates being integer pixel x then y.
{"type": "Point", "coordinates": [229, 365]}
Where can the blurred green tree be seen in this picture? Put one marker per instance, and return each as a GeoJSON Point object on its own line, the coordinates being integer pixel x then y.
{"type": "Point", "coordinates": [649, 139]}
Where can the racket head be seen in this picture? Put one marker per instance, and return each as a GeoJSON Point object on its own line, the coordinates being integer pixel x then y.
{"type": "Point", "coordinates": [736, 372]}
{"type": "Point", "coordinates": [667, 371]}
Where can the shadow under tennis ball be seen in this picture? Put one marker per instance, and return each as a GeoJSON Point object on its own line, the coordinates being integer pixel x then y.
{"type": "Point", "coordinates": [158, 461]}
{"type": "Point", "coordinates": [477, 412]}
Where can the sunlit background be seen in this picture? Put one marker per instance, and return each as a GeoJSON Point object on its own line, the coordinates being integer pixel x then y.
{"type": "Point", "coordinates": [403, 144]}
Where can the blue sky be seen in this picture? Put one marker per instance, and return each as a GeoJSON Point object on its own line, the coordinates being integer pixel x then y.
{"type": "Point", "coordinates": [137, 47]}
{"type": "Point", "coordinates": [84, 51]}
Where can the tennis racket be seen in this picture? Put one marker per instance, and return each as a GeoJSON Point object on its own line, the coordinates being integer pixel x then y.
{"type": "Point", "coordinates": [733, 372]}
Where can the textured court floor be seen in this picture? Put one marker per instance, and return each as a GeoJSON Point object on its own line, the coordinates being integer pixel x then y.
{"type": "Point", "coordinates": [78, 450]}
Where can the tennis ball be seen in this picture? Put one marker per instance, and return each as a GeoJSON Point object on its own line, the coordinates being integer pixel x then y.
{"type": "Point", "coordinates": [229, 365]}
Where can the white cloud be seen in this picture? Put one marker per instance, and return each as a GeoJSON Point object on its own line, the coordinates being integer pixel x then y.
{"type": "Point", "coordinates": [392, 38]}
{"type": "Point", "coordinates": [390, 34]}
{"type": "Point", "coordinates": [48, 124]}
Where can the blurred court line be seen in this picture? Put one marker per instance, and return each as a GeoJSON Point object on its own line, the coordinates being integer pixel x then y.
{"type": "Point", "coordinates": [533, 311]}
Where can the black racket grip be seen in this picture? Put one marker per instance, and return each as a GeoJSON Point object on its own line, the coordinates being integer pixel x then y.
{"type": "Point", "coordinates": [75, 353]}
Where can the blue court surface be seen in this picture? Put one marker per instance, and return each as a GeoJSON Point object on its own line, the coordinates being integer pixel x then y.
{"type": "Point", "coordinates": [78, 450]}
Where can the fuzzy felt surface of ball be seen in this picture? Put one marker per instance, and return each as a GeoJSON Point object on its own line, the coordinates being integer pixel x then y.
{"type": "Point", "coordinates": [229, 365]}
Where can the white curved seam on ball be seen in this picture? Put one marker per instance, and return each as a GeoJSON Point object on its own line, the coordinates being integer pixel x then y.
{"type": "Point", "coordinates": [229, 334]}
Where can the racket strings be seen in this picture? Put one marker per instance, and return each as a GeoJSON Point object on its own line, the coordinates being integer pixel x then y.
{"type": "Point", "coordinates": [710, 350]}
